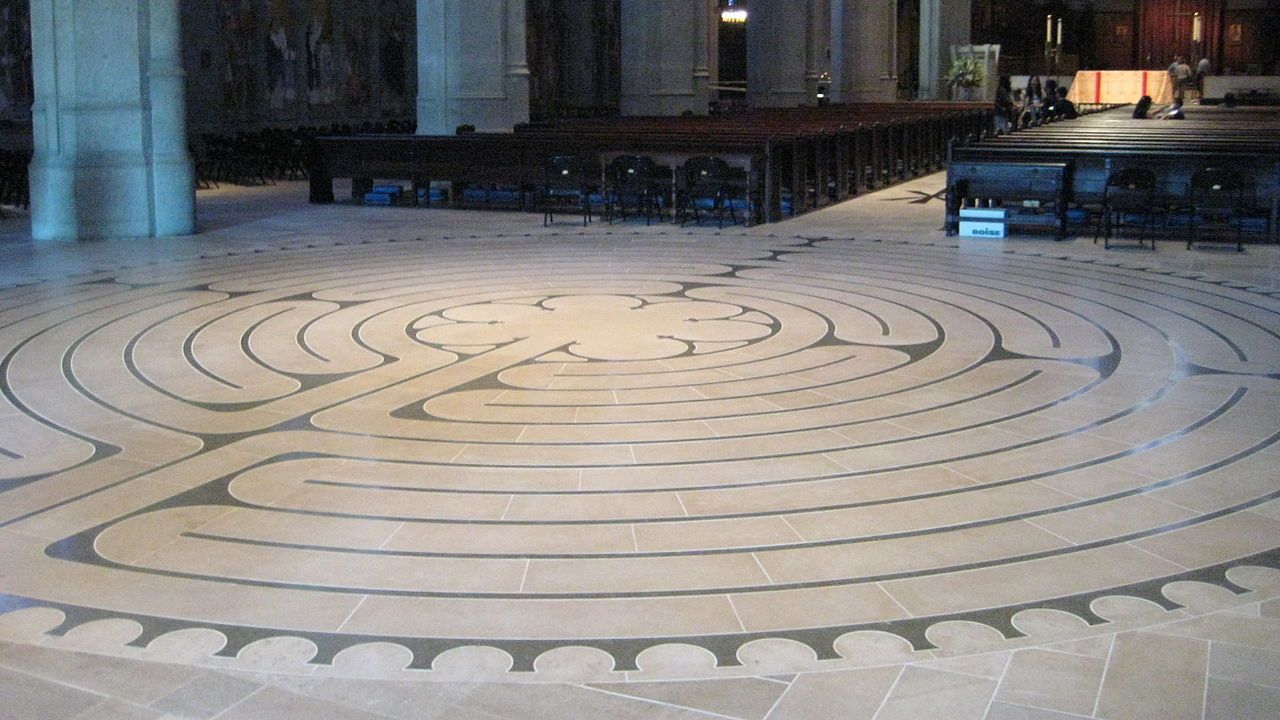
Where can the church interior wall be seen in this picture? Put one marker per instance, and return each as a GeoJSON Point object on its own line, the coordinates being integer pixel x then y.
{"type": "Point", "coordinates": [298, 62]}
{"type": "Point", "coordinates": [1107, 34]}
{"type": "Point", "coordinates": [16, 88]}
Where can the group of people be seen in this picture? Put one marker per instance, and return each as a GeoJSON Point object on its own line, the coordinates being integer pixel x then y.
{"type": "Point", "coordinates": [1042, 101]}
{"type": "Point", "coordinates": [1183, 80]}
{"type": "Point", "coordinates": [1031, 106]}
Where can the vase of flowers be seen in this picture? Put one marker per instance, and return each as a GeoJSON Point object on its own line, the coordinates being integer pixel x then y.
{"type": "Point", "coordinates": [965, 75]}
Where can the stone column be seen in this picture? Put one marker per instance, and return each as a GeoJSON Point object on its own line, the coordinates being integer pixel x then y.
{"type": "Point", "coordinates": [778, 54]}
{"type": "Point", "coordinates": [864, 50]}
{"type": "Point", "coordinates": [819, 45]}
{"type": "Point", "coordinates": [664, 57]}
{"type": "Point", "coordinates": [943, 23]}
{"type": "Point", "coordinates": [109, 121]}
{"type": "Point", "coordinates": [472, 68]}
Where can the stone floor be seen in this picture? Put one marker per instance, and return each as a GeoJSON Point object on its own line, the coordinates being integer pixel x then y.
{"type": "Point", "coordinates": [393, 463]}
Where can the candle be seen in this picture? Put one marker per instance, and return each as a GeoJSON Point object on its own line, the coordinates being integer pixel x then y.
{"type": "Point", "coordinates": [1195, 27]}
{"type": "Point", "coordinates": [1059, 32]}
{"type": "Point", "coordinates": [1048, 30]}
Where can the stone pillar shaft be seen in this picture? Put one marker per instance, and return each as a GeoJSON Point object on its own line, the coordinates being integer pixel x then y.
{"type": "Point", "coordinates": [665, 53]}
{"type": "Point", "coordinates": [778, 54]}
{"type": "Point", "coordinates": [472, 66]}
{"type": "Point", "coordinates": [864, 50]}
{"type": "Point", "coordinates": [109, 121]}
{"type": "Point", "coordinates": [943, 23]}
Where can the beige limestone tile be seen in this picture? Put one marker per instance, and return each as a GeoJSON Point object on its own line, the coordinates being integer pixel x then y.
{"type": "Point", "coordinates": [711, 534]}
{"type": "Point", "coordinates": [281, 705]}
{"type": "Point", "coordinates": [1096, 480]}
{"type": "Point", "coordinates": [545, 455]}
{"type": "Point", "coordinates": [1228, 700]}
{"type": "Point", "coordinates": [401, 700]}
{"type": "Point", "coordinates": [1269, 509]}
{"type": "Point", "coordinates": [821, 494]}
{"type": "Point", "coordinates": [132, 681]}
{"type": "Point", "coordinates": [29, 625]}
{"type": "Point", "coordinates": [366, 501]}
{"type": "Point", "coordinates": [645, 433]}
{"type": "Point", "coordinates": [643, 574]}
{"type": "Point", "coordinates": [544, 619]}
{"type": "Point", "coordinates": [552, 702]}
{"type": "Point", "coordinates": [633, 506]}
{"type": "Point", "coordinates": [329, 569]}
{"type": "Point", "coordinates": [1115, 518]}
{"type": "Point", "coordinates": [920, 692]}
{"type": "Point", "coordinates": [1215, 541]}
{"type": "Point", "coordinates": [1154, 676]}
{"type": "Point", "coordinates": [1052, 681]}
{"type": "Point", "coordinates": [1005, 711]}
{"type": "Point", "coordinates": [854, 695]}
{"type": "Point", "coordinates": [954, 509]}
{"type": "Point", "coordinates": [34, 497]}
{"type": "Point", "coordinates": [964, 637]}
{"type": "Point", "coordinates": [266, 526]}
{"type": "Point", "coordinates": [1094, 647]}
{"type": "Point", "coordinates": [1242, 481]}
{"type": "Point", "coordinates": [24, 697]}
{"type": "Point", "coordinates": [710, 475]}
{"type": "Point", "coordinates": [1027, 581]}
{"type": "Point", "coordinates": [512, 538]}
{"type": "Point", "coordinates": [728, 449]}
{"type": "Point", "coordinates": [913, 553]}
{"type": "Point", "coordinates": [1244, 664]}
{"type": "Point", "coordinates": [988, 665]}
{"type": "Point", "coordinates": [815, 607]}
{"type": "Point", "coordinates": [1040, 457]}
{"type": "Point", "coordinates": [1269, 609]}
{"type": "Point", "coordinates": [746, 698]}
{"type": "Point", "coordinates": [1200, 598]}
{"type": "Point", "coordinates": [117, 710]}
{"type": "Point", "coordinates": [1185, 453]}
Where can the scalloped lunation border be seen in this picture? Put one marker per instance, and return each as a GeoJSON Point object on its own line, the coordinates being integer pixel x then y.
{"type": "Point", "coordinates": [625, 651]}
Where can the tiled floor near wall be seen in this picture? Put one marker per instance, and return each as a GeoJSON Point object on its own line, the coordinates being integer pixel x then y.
{"type": "Point", "coordinates": [388, 463]}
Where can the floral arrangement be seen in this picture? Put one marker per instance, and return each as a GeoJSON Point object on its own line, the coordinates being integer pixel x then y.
{"type": "Point", "coordinates": [965, 72]}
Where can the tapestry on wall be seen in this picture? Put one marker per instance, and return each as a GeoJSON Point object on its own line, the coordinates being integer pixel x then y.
{"type": "Point", "coordinates": [16, 89]}
{"type": "Point", "coordinates": [300, 60]}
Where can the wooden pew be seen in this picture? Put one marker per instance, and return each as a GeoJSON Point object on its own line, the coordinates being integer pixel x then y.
{"type": "Point", "coordinates": [1097, 146]}
{"type": "Point", "coordinates": [814, 156]}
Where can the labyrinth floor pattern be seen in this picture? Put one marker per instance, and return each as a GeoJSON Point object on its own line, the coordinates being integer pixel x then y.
{"type": "Point", "coordinates": [534, 445]}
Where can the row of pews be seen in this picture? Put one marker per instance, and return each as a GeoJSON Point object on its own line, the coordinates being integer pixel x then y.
{"type": "Point", "coordinates": [15, 155]}
{"type": "Point", "coordinates": [791, 160]}
{"type": "Point", "coordinates": [1041, 174]}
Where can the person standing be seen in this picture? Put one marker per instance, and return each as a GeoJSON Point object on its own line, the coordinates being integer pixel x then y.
{"type": "Point", "coordinates": [1184, 77]}
{"type": "Point", "coordinates": [1203, 69]}
{"type": "Point", "coordinates": [1004, 106]}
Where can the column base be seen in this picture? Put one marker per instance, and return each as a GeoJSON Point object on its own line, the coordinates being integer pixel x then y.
{"type": "Point", "coordinates": [111, 199]}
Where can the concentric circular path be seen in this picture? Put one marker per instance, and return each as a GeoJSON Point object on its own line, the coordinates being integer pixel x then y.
{"type": "Point", "coordinates": [592, 441]}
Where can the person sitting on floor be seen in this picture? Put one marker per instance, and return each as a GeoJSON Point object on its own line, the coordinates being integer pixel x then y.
{"type": "Point", "coordinates": [1063, 108]}
{"type": "Point", "coordinates": [1142, 108]}
{"type": "Point", "coordinates": [1004, 111]}
{"type": "Point", "coordinates": [1173, 112]}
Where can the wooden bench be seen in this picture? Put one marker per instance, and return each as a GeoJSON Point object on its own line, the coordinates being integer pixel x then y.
{"type": "Point", "coordinates": [803, 158]}
{"type": "Point", "coordinates": [1025, 189]}
{"type": "Point", "coordinates": [1100, 145]}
